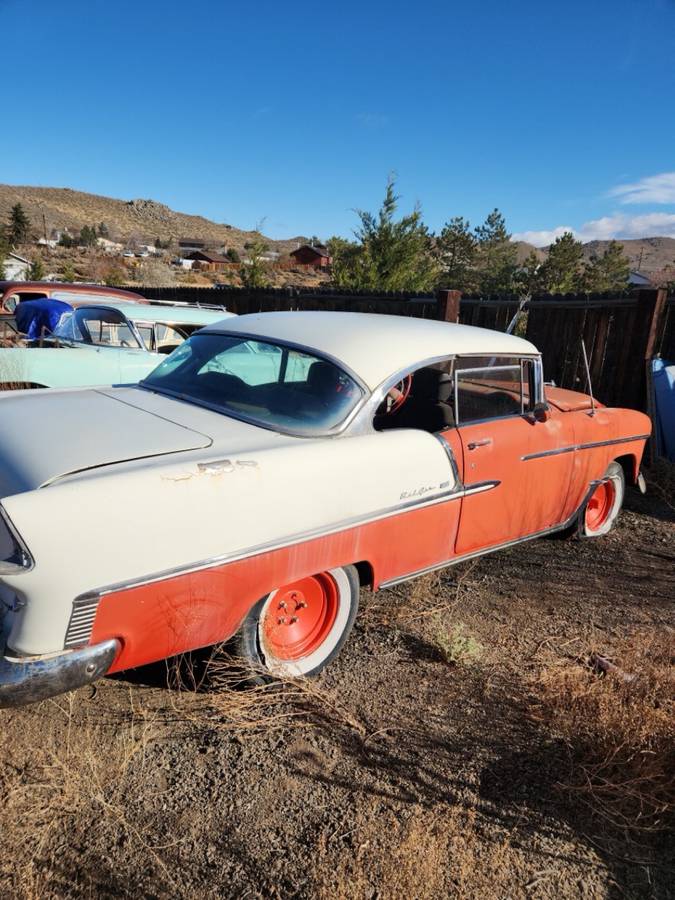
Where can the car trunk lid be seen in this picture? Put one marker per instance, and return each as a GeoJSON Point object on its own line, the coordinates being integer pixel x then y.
{"type": "Point", "coordinates": [46, 435]}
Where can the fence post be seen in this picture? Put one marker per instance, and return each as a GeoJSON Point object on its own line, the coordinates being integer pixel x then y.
{"type": "Point", "coordinates": [447, 305]}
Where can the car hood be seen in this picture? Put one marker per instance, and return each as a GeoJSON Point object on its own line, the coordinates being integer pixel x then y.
{"type": "Point", "coordinates": [45, 435]}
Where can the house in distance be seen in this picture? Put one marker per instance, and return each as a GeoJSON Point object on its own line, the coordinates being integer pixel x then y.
{"type": "Point", "coordinates": [312, 255]}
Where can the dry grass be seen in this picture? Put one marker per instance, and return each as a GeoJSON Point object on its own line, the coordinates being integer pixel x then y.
{"type": "Point", "coordinates": [620, 729]}
{"type": "Point", "coordinates": [81, 773]}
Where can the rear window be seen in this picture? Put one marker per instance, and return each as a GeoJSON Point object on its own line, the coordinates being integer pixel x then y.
{"type": "Point", "coordinates": [263, 382]}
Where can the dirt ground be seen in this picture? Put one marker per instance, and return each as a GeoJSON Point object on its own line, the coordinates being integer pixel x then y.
{"type": "Point", "coordinates": [422, 764]}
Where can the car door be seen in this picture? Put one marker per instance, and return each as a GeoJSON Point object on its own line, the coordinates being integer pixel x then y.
{"type": "Point", "coordinates": [508, 450]}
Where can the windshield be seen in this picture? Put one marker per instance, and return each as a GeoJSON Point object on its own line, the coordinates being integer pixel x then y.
{"type": "Point", "coordinates": [263, 382]}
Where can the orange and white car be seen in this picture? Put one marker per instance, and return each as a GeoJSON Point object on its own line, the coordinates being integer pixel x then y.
{"type": "Point", "coordinates": [143, 521]}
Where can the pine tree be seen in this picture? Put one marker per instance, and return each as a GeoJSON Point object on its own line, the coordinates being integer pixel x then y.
{"type": "Point", "coordinates": [68, 272]}
{"type": "Point", "coordinates": [103, 230]}
{"type": "Point", "coordinates": [389, 254]}
{"type": "Point", "coordinates": [18, 228]}
{"type": "Point", "coordinates": [37, 270]}
{"type": "Point", "coordinates": [496, 256]}
{"type": "Point", "coordinates": [456, 247]}
{"type": "Point", "coordinates": [609, 272]}
{"type": "Point", "coordinates": [254, 273]}
{"type": "Point", "coordinates": [563, 272]}
{"type": "Point", "coordinates": [529, 275]}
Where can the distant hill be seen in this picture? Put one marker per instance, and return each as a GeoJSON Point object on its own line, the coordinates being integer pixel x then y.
{"type": "Point", "coordinates": [143, 219]}
{"type": "Point", "coordinates": [647, 255]}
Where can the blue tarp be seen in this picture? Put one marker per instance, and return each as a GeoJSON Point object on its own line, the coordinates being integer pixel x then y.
{"type": "Point", "coordinates": [663, 374]}
{"type": "Point", "coordinates": [37, 317]}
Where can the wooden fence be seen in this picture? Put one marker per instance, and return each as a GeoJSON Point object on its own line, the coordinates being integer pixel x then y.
{"type": "Point", "coordinates": [621, 333]}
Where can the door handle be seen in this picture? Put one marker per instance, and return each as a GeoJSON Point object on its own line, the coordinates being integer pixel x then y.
{"type": "Point", "coordinates": [473, 445]}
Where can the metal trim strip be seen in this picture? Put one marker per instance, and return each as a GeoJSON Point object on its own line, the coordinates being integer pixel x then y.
{"type": "Point", "coordinates": [401, 508]}
{"type": "Point", "coordinates": [465, 557]}
{"type": "Point", "coordinates": [558, 450]}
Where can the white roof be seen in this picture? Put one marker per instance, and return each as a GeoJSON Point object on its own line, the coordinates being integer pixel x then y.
{"type": "Point", "coordinates": [376, 346]}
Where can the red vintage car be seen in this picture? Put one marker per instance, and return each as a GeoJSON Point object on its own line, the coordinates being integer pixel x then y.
{"type": "Point", "coordinates": [264, 471]}
{"type": "Point", "coordinates": [13, 292]}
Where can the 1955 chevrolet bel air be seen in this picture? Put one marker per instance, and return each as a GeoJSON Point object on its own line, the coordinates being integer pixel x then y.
{"type": "Point", "coordinates": [144, 521]}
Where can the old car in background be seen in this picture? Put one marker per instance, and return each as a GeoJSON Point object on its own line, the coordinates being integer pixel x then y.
{"type": "Point", "coordinates": [142, 522]}
{"type": "Point", "coordinates": [103, 344]}
{"type": "Point", "coordinates": [14, 292]}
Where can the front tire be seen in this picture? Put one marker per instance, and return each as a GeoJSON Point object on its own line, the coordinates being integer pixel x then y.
{"type": "Point", "coordinates": [603, 506]}
{"type": "Point", "coordinates": [299, 628]}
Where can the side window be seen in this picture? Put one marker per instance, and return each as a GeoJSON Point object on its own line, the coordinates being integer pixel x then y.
{"type": "Point", "coordinates": [491, 387]}
{"type": "Point", "coordinates": [103, 327]}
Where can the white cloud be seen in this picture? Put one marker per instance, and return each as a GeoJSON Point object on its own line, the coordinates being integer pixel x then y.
{"type": "Point", "coordinates": [654, 189]}
{"type": "Point", "coordinates": [617, 226]}
{"type": "Point", "coordinates": [542, 238]}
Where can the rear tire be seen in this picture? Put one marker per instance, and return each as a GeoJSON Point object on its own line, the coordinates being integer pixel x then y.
{"type": "Point", "coordinates": [298, 629]}
{"type": "Point", "coordinates": [603, 506]}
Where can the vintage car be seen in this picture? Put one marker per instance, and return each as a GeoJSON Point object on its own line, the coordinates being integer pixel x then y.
{"type": "Point", "coordinates": [141, 522]}
{"type": "Point", "coordinates": [14, 292]}
{"type": "Point", "coordinates": [103, 344]}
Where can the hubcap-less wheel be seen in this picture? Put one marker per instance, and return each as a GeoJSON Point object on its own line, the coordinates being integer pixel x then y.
{"type": "Point", "coordinates": [300, 627]}
{"type": "Point", "coordinates": [299, 617]}
{"type": "Point", "coordinates": [600, 505]}
{"type": "Point", "coordinates": [604, 504]}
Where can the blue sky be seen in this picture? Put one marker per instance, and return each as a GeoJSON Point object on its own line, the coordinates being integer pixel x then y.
{"type": "Point", "coordinates": [559, 114]}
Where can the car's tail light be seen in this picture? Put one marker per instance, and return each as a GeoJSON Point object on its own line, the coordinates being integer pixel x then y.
{"type": "Point", "coordinates": [14, 555]}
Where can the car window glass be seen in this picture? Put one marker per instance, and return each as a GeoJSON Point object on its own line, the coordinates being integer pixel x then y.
{"type": "Point", "coordinates": [489, 388]}
{"type": "Point", "coordinates": [103, 328]}
{"type": "Point", "coordinates": [266, 383]}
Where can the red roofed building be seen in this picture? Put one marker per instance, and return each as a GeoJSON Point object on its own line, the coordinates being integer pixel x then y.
{"type": "Point", "coordinates": [309, 255]}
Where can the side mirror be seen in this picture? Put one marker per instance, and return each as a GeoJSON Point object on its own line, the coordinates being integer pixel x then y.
{"type": "Point", "coordinates": [541, 412]}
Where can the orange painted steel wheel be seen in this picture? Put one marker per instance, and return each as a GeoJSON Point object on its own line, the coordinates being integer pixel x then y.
{"type": "Point", "coordinates": [299, 628]}
{"type": "Point", "coordinates": [604, 504]}
{"type": "Point", "coordinates": [302, 614]}
{"type": "Point", "coordinates": [600, 505]}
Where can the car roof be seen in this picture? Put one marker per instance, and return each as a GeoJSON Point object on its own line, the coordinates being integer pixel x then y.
{"type": "Point", "coordinates": [181, 315]}
{"type": "Point", "coordinates": [377, 346]}
{"type": "Point", "coordinates": [49, 287]}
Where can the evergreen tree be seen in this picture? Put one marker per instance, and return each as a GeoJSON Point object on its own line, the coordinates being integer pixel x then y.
{"type": "Point", "coordinates": [103, 230]}
{"type": "Point", "coordinates": [88, 236]}
{"type": "Point", "coordinates": [456, 247]}
{"type": "Point", "coordinates": [232, 255]}
{"type": "Point", "coordinates": [529, 275]}
{"type": "Point", "coordinates": [609, 272]}
{"type": "Point", "coordinates": [254, 273]}
{"type": "Point", "coordinates": [18, 228]}
{"type": "Point", "coordinates": [37, 270]}
{"type": "Point", "coordinates": [388, 255]}
{"type": "Point", "coordinates": [496, 256]}
{"type": "Point", "coordinates": [562, 272]}
{"type": "Point", "coordinates": [68, 272]}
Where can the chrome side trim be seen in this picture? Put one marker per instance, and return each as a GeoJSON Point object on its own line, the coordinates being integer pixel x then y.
{"type": "Point", "coordinates": [589, 446]}
{"type": "Point", "coordinates": [451, 457]}
{"type": "Point", "coordinates": [465, 557]}
{"type": "Point", "coordinates": [93, 596]}
{"type": "Point", "coordinates": [29, 679]}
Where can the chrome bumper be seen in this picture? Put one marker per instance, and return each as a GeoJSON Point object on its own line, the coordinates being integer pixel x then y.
{"type": "Point", "coordinates": [28, 679]}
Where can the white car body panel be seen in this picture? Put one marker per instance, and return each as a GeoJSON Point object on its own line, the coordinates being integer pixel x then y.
{"type": "Point", "coordinates": [216, 500]}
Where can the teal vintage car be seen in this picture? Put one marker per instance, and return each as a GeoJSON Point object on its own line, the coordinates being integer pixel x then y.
{"type": "Point", "coordinates": [103, 343]}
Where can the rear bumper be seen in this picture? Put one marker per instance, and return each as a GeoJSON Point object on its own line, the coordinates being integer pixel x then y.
{"type": "Point", "coordinates": [29, 679]}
